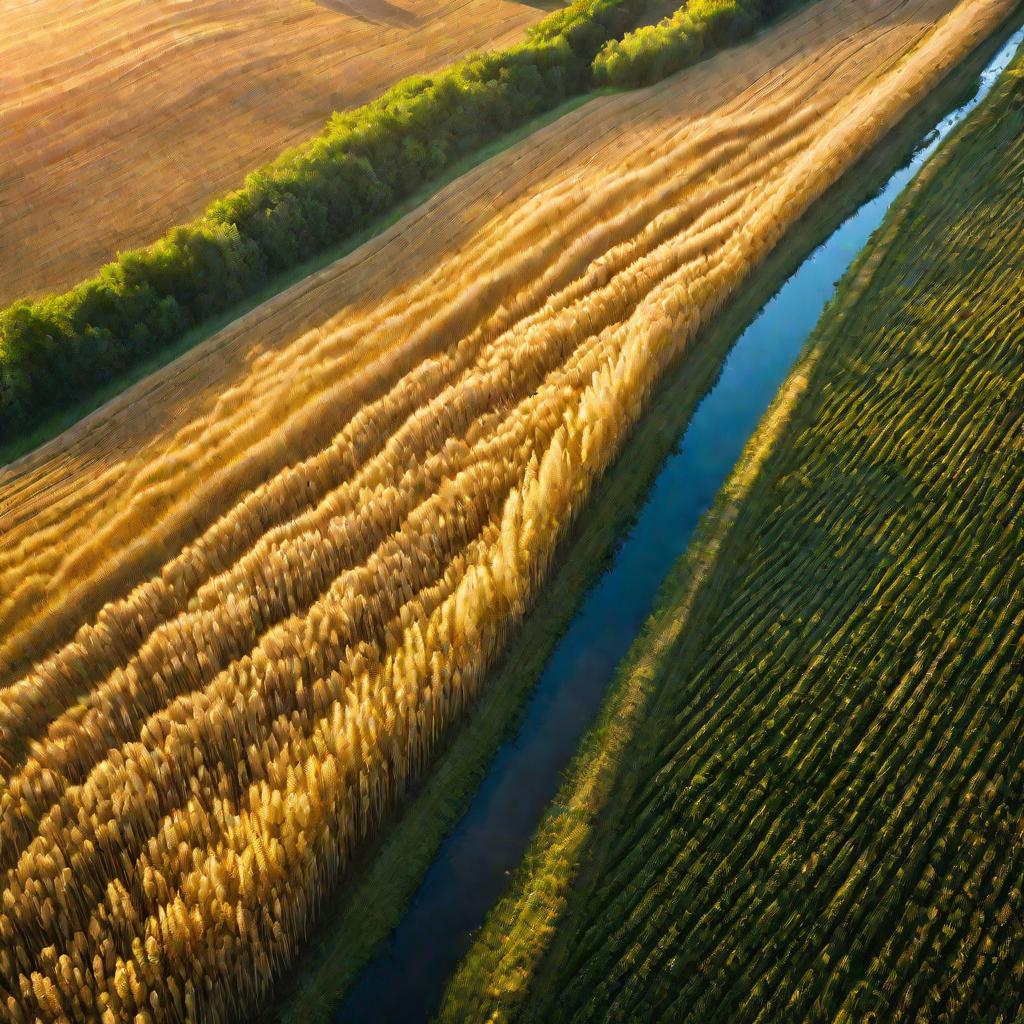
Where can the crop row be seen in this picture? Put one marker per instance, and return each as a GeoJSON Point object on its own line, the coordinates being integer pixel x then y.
{"type": "Point", "coordinates": [826, 817]}
{"type": "Point", "coordinates": [56, 349]}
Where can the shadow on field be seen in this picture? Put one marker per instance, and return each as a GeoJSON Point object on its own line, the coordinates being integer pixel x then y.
{"type": "Point", "coordinates": [377, 12]}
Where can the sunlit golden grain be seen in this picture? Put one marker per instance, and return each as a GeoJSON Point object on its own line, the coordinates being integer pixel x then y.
{"type": "Point", "coordinates": [121, 117]}
{"type": "Point", "coordinates": [298, 589]}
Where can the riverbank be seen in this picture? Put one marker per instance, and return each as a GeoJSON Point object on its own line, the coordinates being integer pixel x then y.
{"type": "Point", "coordinates": [858, 641]}
{"type": "Point", "coordinates": [373, 905]}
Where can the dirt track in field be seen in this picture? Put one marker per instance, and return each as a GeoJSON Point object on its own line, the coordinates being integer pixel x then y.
{"type": "Point", "coordinates": [119, 118]}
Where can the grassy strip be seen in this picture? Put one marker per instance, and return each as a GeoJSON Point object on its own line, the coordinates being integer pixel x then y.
{"type": "Point", "coordinates": [494, 977]}
{"type": "Point", "coordinates": [59, 421]}
{"type": "Point", "coordinates": [373, 901]}
{"type": "Point", "coordinates": [851, 916]}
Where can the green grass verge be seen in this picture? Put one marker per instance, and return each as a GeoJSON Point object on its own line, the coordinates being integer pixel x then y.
{"type": "Point", "coordinates": [818, 818]}
{"type": "Point", "coordinates": [380, 887]}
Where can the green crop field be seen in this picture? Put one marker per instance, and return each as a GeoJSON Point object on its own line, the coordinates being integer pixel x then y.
{"type": "Point", "coordinates": [822, 818]}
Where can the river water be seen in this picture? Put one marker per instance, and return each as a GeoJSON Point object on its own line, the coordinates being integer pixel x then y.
{"type": "Point", "coordinates": [403, 984]}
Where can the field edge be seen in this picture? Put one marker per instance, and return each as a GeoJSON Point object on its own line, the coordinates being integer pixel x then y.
{"type": "Point", "coordinates": [807, 376]}
{"type": "Point", "coordinates": [532, 904]}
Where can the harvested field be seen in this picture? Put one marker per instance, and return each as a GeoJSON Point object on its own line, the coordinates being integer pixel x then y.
{"type": "Point", "coordinates": [119, 118]}
{"type": "Point", "coordinates": [323, 538]}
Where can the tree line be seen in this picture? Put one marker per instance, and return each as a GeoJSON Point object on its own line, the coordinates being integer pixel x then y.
{"type": "Point", "coordinates": [651, 52]}
{"type": "Point", "coordinates": [55, 349]}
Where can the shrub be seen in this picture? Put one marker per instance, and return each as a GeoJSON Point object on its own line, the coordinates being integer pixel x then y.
{"type": "Point", "coordinates": [654, 51]}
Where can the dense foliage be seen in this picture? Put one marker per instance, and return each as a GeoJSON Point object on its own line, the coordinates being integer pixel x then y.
{"type": "Point", "coordinates": [822, 818]}
{"type": "Point", "coordinates": [54, 350]}
{"type": "Point", "coordinates": [650, 53]}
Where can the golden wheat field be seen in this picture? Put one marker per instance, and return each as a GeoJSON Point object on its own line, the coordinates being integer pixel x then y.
{"type": "Point", "coordinates": [120, 117]}
{"type": "Point", "coordinates": [242, 604]}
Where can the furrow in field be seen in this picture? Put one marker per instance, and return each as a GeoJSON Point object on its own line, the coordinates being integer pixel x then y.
{"type": "Point", "coordinates": [826, 825]}
{"type": "Point", "coordinates": [167, 488]}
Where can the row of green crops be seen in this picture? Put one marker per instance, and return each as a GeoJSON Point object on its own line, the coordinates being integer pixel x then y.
{"type": "Point", "coordinates": [821, 818]}
{"type": "Point", "coordinates": [56, 350]}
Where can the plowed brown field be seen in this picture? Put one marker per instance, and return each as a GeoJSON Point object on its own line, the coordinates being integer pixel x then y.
{"type": "Point", "coordinates": [241, 604]}
{"type": "Point", "coordinates": [119, 118]}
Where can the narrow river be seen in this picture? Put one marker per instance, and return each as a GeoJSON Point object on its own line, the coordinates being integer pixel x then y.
{"type": "Point", "coordinates": [405, 981]}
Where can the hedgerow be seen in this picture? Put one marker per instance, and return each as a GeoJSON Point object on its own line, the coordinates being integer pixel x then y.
{"type": "Point", "coordinates": [54, 350]}
{"type": "Point", "coordinates": [654, 51]}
